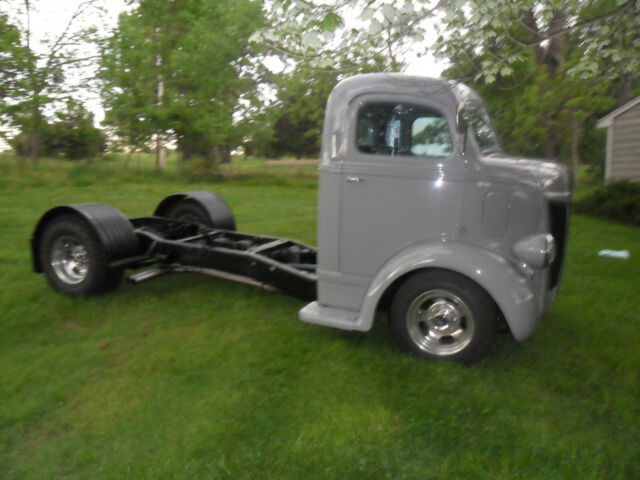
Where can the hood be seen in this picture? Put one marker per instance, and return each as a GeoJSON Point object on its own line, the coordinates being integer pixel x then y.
{"type": "Point", "coordinates": [547, 175]}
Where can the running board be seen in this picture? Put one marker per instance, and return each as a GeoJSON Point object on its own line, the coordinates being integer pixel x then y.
{"type": "Point", "coordinates": [330, 316]}
{"type": "Point", "coordinates": [152, 273]}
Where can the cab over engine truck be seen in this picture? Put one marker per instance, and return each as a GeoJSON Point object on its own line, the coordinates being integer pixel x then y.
{"type": "Point", "coordinates": [419, 211]}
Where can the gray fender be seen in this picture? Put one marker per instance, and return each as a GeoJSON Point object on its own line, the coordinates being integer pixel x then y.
{"type": "Point", "coordinates": [508, 288]}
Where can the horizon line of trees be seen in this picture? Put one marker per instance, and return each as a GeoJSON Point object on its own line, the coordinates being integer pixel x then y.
{"type": "Point", "coordinates": [192, 74]}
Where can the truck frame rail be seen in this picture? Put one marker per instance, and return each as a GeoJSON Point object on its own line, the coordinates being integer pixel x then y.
{"type": "Point", "coordinates": [180, 246]}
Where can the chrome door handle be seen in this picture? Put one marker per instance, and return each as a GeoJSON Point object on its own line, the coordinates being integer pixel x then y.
{"type": "Point", "coordinates": [354, 179]}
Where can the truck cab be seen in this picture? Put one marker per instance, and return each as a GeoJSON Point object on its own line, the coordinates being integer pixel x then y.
{"type": "Point", "coordinates": [420, 209]}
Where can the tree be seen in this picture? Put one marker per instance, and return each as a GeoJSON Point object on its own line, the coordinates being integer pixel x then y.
{"type": "Point", "coordinates": [540, 66]}
{"type": "Point", "coordinates": [180, 69]}
{"type": "Point", "coordinates": [72, 134]}
{"type": "Point", "coordinates": [12, 65]}
{"type": "Point", "coordinates": [348, 36]}
{"type": "Point", "coordinates": [301, 103]}
{"type": "Point", "coordinates": [37, 75]}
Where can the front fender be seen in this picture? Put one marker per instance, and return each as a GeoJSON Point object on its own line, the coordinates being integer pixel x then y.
{"type": "Point", "coordinates": [508, 288]}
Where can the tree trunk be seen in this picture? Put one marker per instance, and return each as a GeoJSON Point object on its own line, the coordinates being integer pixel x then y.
{"type": "Point", "coordinates": [576, 134]}
{"type": "Point", "coordinates": [549, 144]}
{"type": "Point", "coordinates": [34, 146]}
{"type": "Point", "coordinates": [212, 158]}
{"type": "Point", "coordinates": [225, 153]}
{"type": "Point", "coordinates": [161, 152]}
{"type": "Point", "coordinates": [624, 89]}
{"type": "Point", "coordinates": [161, 156]}
{"type": "Point", "coordinates": [34, 142]}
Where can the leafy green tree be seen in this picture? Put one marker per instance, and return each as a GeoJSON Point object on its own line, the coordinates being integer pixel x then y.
{"type": "Point", "coordinates": [36, 76]}
{"type": "Point", "coordinates": [71, 134]}
{"type": "Point", "coordinates": [12, 65]}
{"type": "Point", "coordinates": [538, 66]}
{"type": "Point", "coordinates": [180, 70]}
{"type": "Point", "coordinates": [301, 104]}
{"type": "Point", "coordinates": [349, 36]}
{"type": "Point", "coordinates": [74, 134]}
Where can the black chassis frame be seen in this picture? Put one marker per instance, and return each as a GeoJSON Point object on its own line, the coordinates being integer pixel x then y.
{"type": "Point", "coordinates": [179, 246]}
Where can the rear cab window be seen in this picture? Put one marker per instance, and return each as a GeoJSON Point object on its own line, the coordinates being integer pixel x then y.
{"type": "Point", "coordinates": [402, 129]}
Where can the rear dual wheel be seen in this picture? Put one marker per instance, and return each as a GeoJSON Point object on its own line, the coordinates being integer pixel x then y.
{"type": "Point", "coordinates": [443, 315]}
{"type": "Point", "coordinates": [199, 206]}
{"type": "Point", "coordinates": [73, 258]}
{"type": "Point", "coordinates": [189, 211]}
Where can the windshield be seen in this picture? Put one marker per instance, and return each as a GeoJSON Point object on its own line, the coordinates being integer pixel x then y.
{"type": "Point", "coordinates": [479, 120]}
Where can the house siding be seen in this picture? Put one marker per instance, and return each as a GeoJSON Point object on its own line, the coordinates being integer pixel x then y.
{"type": "Point", "coordinates": [625, 146]}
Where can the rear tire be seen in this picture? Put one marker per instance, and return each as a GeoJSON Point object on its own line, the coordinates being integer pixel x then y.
{"type": "Point", "coordinates": [439, 314]}
{"type": "Point", "coordinates": [73, 259]}
{"type": "Point", "coordinates": [199, 206]}
{"type": "Point", "coordinates": [189, 211]}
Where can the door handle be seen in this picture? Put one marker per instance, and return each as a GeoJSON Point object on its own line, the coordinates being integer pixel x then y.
{"type": "Point", "coordinates": [354, 179]}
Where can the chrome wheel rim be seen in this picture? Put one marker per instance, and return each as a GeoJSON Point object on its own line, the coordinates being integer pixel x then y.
{"type": "Point", "coordinates": [440, 323]}
{"type": "Point", "coordinates": [69, 260]}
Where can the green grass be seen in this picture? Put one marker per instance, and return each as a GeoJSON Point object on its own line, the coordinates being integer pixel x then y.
{"type": "Point", "coordinates": [191, 377]}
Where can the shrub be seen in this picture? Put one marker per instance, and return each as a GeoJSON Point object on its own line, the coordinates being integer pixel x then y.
{"type": "Point", "coordinates": [618, 201]}
{"type": "Point", "coordinates": [72, 135]}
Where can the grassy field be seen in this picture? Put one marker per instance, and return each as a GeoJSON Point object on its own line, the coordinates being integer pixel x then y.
{"type": "Point", "coordinates": [189, 377]}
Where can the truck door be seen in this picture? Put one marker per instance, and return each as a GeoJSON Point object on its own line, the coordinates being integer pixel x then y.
{"type": "Point", "coordinates": [402, 180]}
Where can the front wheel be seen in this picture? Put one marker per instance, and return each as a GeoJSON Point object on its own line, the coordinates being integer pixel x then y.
{"type": "Point", "coordinates": [443, 315]}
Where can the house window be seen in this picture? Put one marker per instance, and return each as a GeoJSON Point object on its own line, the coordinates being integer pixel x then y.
{"type": "Point", "coordinates": [400, 129]}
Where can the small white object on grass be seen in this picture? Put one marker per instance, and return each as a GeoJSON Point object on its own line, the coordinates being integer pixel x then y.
{"type": "Point", "coordinates": [623, 254]}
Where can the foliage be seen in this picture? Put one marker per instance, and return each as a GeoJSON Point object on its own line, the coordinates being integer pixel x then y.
{"type": "Point", "coordinates": [349, 36]}
{"type": "Point", "coordinates": [37, 76]}
{"type": "Point", "coordinates": [528, 61]}
{"type": "Point", "coordinates": [12, 65]}
{"type": "Point", "coordinates": [548, 68]}
{"type": "Point", "coordinates": [607, 32]}
{"type": "Point", "coordinates": [180, 69]}
{"type": "Point", "coordinates": [302, 97]}
{"type": "Point", "coordinates": [73, 135]}
{"type": "Point", "coordinates": [195, 377]}
{"type": "Point", "coordinates": [618, 201]}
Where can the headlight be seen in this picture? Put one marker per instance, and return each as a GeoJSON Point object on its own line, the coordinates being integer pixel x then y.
{"type": "Point", "coordinates": [537, 250]}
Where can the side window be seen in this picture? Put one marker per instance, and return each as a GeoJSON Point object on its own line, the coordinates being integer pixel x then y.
{"type": "Point", "coordinates": [399, 129]}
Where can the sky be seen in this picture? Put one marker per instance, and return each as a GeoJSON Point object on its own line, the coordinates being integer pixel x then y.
{"type": "Point", "coordinates": [49, 20]}
{"type": "Point", "coordinates": [52, 16]}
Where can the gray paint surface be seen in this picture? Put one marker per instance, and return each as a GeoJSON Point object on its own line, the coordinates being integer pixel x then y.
{"type": "Point", "coordinates": [381, 217]}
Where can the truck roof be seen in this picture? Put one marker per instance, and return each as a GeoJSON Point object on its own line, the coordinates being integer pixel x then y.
{"type": "Point", "coordinates": [444, 92]}
{"type": "Point", "coordinates": [367, 83]}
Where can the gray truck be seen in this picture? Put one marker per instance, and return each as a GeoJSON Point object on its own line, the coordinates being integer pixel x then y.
{"type": "Point", "coordinates": [420, 213]}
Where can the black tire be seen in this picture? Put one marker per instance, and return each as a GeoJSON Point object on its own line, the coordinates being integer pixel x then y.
{"type": "Point", "coordinates": [438, 314]}
{"type": "Point", "coordinates": [73, 258]}
{"type": "Point", "coordinates": [199, 206]}
{"type": "Point", "coordinates": [189, 211]}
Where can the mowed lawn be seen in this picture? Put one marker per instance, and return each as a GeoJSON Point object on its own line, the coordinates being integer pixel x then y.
{"type": "Point", "coordinates": [190, 377]}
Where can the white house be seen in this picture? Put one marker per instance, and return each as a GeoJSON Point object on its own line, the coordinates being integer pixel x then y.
{"type": "Point", "coordinates": [622, 159]}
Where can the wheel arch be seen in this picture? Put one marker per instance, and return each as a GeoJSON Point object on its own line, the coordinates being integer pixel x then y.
{"type": "Point", "coordinates": [113, 229]}
{"type": "Point", "coordinates": [508, 289]}
{"type": "Point", "coordinates": [217, 209]}
{"type": "Point", "coordinates": [387, 297]}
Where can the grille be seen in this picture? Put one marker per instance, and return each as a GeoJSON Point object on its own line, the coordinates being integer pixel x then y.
{"type": "Point", "coordinates": [558, 217]}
